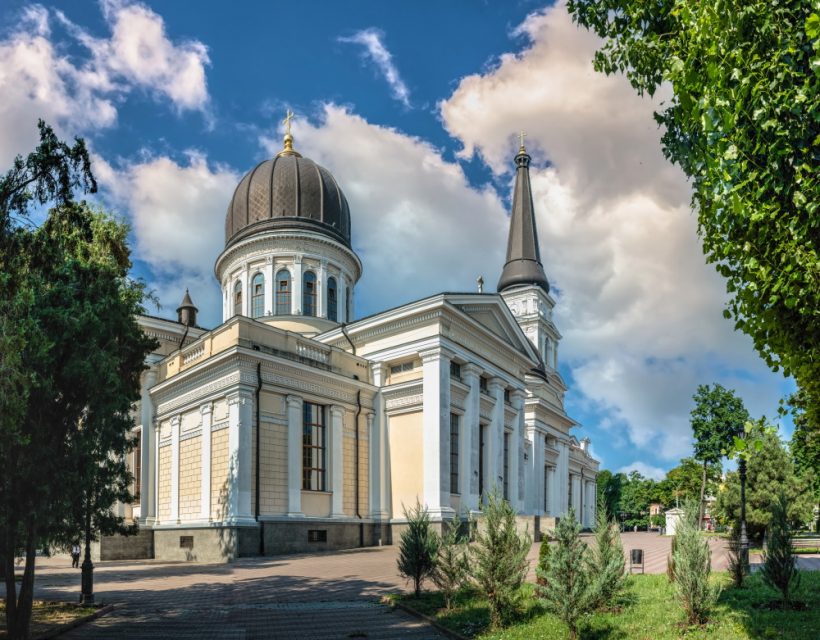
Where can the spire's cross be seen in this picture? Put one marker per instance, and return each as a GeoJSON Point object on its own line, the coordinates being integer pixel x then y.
{"type": "Point", "coordinates": [288, 117]}
{"type": "Point", "coordinates": [521, 137]}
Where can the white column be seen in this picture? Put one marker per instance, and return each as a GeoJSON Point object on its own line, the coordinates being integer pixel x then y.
{"type": "Point", "coordinates": [538, 474]}
{"type": "Point", "coordinates": [468, 440]}
{"type": "Point", "coordinates": [494, 445]}
{"type": "Point", "coordinates": [155, 428]}
{"type": "Point", "coordinates": [321, 290]}
{"type": "Point", "coordinates": [295, 425]}
{"type": "Point", "coordinates": [517, 450]}
{"type": "Point", "coordinates": [341, 311]}
{"type": "Point", "coordinates": [175, 422]}
{"type": "Point", "coordinates": [268, 271]}
{"type": "Point", "coordinates": [148, 450]}
{"type": "Point", "coordinates": [205, 467]}
{"type": "Point", "coordinates": [296, 296]}
{"type": "Point", "coordinates": [337, 414]}
{"type": "Point", "coordinates": [553, 492]}
{"type": "Point", "coordinates": [436, 431]}
{"type": "Point", "coordinates": [379, 461]}
{"type": "Point", "coordinates": [246, 294]}
{"type": "Point", "coordinates": [240, 441]}
{"type": "Point", "coordinates": [562, 495]}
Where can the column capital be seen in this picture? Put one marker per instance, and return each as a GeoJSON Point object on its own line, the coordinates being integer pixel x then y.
{"type": "Point", "coordinates": [369, 417]}
{"type": "Point", "coordinates": [378, 371]}
{"type": "Point", "coordinates": [470, 369]}
{"type": "Point", "coordinates": [155, 424]}
{"type": "Point", "coordinates": [294, 401]}
{"type": "Point", "coordinates": [175, 421]}
{"type": "Point", "coordinates": [494, 383]}
{"type": "Point", "coordinates": [435, 353]}
{"type": "Point", "coordinates": [241, 396]}
{"type": "Point", "coordinates": [335, 410]}
{"type": "Point", "coordinates": [206, 408]}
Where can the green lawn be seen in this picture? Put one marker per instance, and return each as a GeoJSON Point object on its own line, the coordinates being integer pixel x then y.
{"type": "Point", "coordinates": [48, 616]}
{"type": "Point", "coordinates": [652, 614]}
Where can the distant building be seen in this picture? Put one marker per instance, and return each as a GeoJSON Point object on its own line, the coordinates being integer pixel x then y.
{"type": "Point", "coordinates": [293, 427]}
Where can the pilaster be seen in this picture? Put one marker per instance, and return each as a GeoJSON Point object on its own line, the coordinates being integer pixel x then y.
{"type": "Point", "coordinates": [240, 441]}
{"type": "Point", "coordinates": [148, 458]}
{"type": "Point", "coordinates": [296, 298]}
{"type": "Point", "coordinates": [295, 426]}
{"type": "Point", "coordinates": [175, 423]}
{"type": "Point", "coordinates": [436, 431]}
{"type": "Point", "coordinates": [468, 439]}
{"type": "Point", "coordinates": [516, 451]}
{"type": "Point", "coordinates": [379, 455]}
{"type": "Point", "coordinates": [268, 271]}
{"type": "Point", "coordinates": [495, 442]}
{"type": "Point", "coordinates": [337, 460]}
{"type": "Point", "coordinates": [206, 411]}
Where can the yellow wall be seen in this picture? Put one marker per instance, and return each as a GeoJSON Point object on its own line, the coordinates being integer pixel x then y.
{"type": "Point", "coordinates": [316, 504]}
{"type": "Point", "coordinates": [190, 478]}
{"type": "Point", "coordinates": [164, 493]}
{"type": "Point", "coordinates": [219, 473]}
{"type": "Point", "coordinates": [349, 460]}
{"type": "Point", "coordinates": [273, 469]}
{"type": "Point", "coordinates": [404, 437]}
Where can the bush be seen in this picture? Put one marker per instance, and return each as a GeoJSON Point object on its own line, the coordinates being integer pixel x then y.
{"type": "Point", "coordinates": [418, 547]}
{"type": "Point", "coordinates": [543, 556]}
{"type": "Point", "coordinates": [566, 588]}
{"type": "Point", "coordinates": [607, 562]}
{"type": "Point", "coordinates": [499, 558]}
{"type": "Point", "coordinates": [670, 560]}
{"type": "Point", "coordinates": [692, 565]}
{"type": "Point", "coordinates": [737, 567]}
{"type": "Point", "coordinates": [779, 570]}
{"type": "Point", "coordinates": [451, 563]}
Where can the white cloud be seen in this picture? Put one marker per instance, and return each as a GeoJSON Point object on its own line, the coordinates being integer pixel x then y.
{"type": "Point", "coordinates": [418, 226]}
{"type": "Point", "coordinates": [648, 471]}
{"type": "Point", "coordinates": [639, 308]}
{"type": "Point", "coordinates": [38, 79]}
{"type": "Point", "coordinates": [371, 40]}
{"type": "Point", "coordinates": [177, 213]}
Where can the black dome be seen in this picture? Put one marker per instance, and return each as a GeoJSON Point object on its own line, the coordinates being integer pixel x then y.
{"type": "Point", "coordinates": [288, 192]}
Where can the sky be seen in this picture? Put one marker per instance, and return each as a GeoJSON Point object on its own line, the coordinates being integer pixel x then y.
{"type": "Point", "coordinates": [415, 107]}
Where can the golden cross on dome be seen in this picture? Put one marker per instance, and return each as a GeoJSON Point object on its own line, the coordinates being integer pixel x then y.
{"type": "Point", "coordinates": [288, 117]}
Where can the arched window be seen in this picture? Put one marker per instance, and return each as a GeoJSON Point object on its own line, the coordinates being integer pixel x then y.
{"type": "Point", "coordinates": [283, 293]}
{"type": "Point", "coordinates": [258, 296]}
{"type": "Point", "coordinates": [309, 294]}
{"type": "Point", "coordinates": [347, 304]}
{"type": "Point", "coordinates": [237, 298]}
{"type": "Point", "coordinates": [332, 300]}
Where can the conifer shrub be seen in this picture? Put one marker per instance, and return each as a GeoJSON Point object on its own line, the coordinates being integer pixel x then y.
{"type": "Point", "coordinates": [607, 562]}
{"type": "Point", "coordinates": [692, 566]}
{"type": "Point", "coordinates": [450, 571]}
{"type": "Point", "coordinates": [543, 556]}
{"type": "Point", "coordinates": [670, 560]}
{"type": "Point", "coordinates": [736, 566]}
{"type": "Point", "coordinates": [418, 547]}
{"type": "Point", "coordinates": [566, 588]}
{"type": "Point", "coordinates": [779, 564]}
{"type": "Point", "coordinates": [499, 558]}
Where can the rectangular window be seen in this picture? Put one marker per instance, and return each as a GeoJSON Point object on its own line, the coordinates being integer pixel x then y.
{"type": "Point", "coordinates": [454, 453]}
{"type": "Point", "coordinates": [314, 447]}
{"type": "Point", "coordinates": [482, 384]}
{"type": "Point", "coordinates": [570, 493]}
{"type": "Point", "coordinates": [137, 466]}
{"type": "Point", "coordinates": [481, 429]}
{"type": "Point", "coordinates": [507, 396]}
{"type": "Point", "coordinates": [506, 466]}
{"type": "Point", "coordinates": [455, 370]}
{"type": "Point", "coordinates": [283, 293]}
{"type": "Point", "coordinates": [402, 368]}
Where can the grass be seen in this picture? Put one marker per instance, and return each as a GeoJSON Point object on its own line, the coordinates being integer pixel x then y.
{"type": "Point", "coordinates": [46, 616]}
{"type": "Point", "coordinates": [651, 613]}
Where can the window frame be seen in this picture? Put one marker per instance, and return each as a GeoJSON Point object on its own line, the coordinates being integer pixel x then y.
{"type": "Point", "coordinates": [309, 299]}
{"type": "Point", "coordinates": [332, 302]}
{"type": "Point", "coordinates": [454, 452]}
{"type": "Point", "coordinates": [314, 449]}
{"type": "Point", "coordinates": [282, 298]}
{"type": "Point", "coordinates": [258, 299]}
{"type": "Point", "coordinates": [237, 298]}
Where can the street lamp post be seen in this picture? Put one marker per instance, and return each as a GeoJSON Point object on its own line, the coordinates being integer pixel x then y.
{"type": "Point", "coordinates": [744, 539]}
{"type": "Point", "coordinates": [87, 581]}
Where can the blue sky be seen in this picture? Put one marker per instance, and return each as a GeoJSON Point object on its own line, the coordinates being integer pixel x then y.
{"type": "Point", "coordinates": [415, 108]}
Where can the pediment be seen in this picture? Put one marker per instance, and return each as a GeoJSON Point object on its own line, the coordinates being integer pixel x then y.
{"type": "Point", "coordinates": [499, 322]}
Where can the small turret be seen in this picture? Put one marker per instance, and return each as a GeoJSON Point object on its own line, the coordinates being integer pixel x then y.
{"type": "Point", "coordinates": [186, 313]}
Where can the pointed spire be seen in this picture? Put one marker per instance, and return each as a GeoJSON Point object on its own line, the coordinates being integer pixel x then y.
{"type": "Point", "coordinates": [523, 264]}
{"type": "Point", "coordinates": [186, 312]}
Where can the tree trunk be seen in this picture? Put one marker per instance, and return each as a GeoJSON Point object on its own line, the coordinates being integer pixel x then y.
{"type": "Point", "coordinates": [11, 591]}
{"type": "Point", "coordinates": [702, 494]}
{"type": "Point", "coordinates": [18, 617]}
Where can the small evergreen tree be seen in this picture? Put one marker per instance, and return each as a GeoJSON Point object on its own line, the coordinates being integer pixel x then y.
{"type": "Point", "coordinates": [451, 563]}
{"type": "Point", "coordinates": [737, 568]}
{"type": "Point", "coordinates": [566, 588]}
{"type": "Point", "coordinates": [607, 562]}
{"type": "Point", "coordinates": [418, 547]}
{"type": "Point", "coordinates": [543, 556]}
{"type": "Point", "coordinates": [692, 567]}
{"type": "Point", "coordinates": [670, 560]}
{"type": "Point", "coordinates": [499, 558]}
{"type": "Point", "coordinates": [779, 570]}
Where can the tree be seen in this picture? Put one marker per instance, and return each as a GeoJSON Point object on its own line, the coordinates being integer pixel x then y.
{"type": "Point", "coordinates": [607, 561]}
{"type": "Point", "coordinates": [779, 565]}
{"type": "Point", "coordinates": [636, 494]}
{"type": "Point", "coordinates": [69, 307]}
{"type": "Point", "coordinates": [770, 471]}
{"type": "Point", "coordinates": [683, 482]}
{"type": "Point", "coordinates": [805, 444]}
{"type": "Point", "coordinates": [718, 416]}
{"type": "Point", "coordinates": [610, 486]}
{"type": "Point", "coordinates": [499, 558]}
{"type": "Point", "coordinates": [736, 561]}
{"type": "Point", "coordinates": [418, 547]}
{"type": "Point", "coordinates": [741, 123]}
{"type": "Point", "coordinates": [692, 566]}
{"type": "Point", "coordinates": [451, 563]}
{"type": "Point", "coordinates": [565, 586]}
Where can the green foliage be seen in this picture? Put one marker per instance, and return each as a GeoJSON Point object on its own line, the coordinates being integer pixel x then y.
{"type": "Point", "coordinates": [683, 483]}
{"type": "Point", "coordinates": [67, 307]}
{"type": "Point", "coordinates": [566, 587]}
{"type": "Point", "coordinates": [692, 567]}
{"type": "Point", "coordinates": [736, 565]}
{"type": "Point", "coordinates": [779, 564]}
{"type": "Point", "coordinates": [450, 571]}
{"type": "Point", "coordinates": [607, 562]}
{"type": "Point", "coordinates": [805, 443]}
{"type": "Point", "coordinates": [543, 557]}
{"type": "Point", "coordinates": [742, 123]}
{"type": "Point", "coordinates": [610, 486]}
{"type": "Point", "coordinates": [770, 471]}
{"type": "Point", "coordinates": [499, 558]}
{"type": "Point", "coordinates": [418, 547]}
{"type": "Point", "coordinates": [670, 560]}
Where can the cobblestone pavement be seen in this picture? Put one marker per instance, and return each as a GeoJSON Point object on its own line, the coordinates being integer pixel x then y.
{"type": "Point", "coordinates": [334, 595]}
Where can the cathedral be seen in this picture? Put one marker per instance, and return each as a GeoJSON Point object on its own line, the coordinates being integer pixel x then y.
{"type": "Point", "coordinates": [294, 427]}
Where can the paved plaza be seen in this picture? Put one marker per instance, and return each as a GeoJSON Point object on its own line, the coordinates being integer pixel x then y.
{"type": "Point", "coordinates": [334, 595]}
